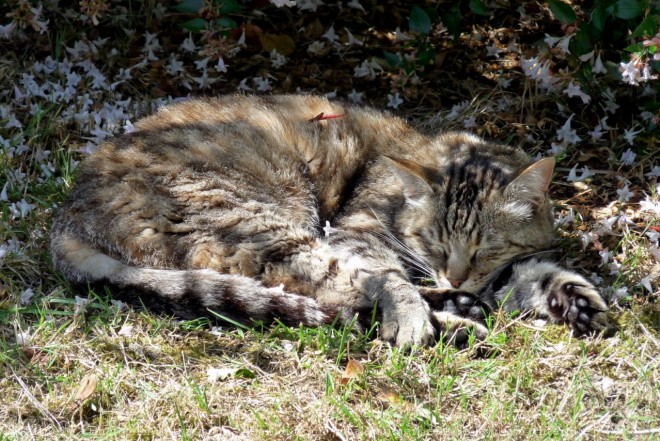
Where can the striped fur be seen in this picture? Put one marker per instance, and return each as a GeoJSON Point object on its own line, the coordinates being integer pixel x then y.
{"type": "Point", "coordinates": [220, 205]}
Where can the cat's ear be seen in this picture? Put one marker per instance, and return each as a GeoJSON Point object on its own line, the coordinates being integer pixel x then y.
{"type": "Point", "coordinates": [532, 184]}
{"type": "Point", "coordinates": [413, 176]}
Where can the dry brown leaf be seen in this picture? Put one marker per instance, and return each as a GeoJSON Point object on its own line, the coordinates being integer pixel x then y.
{"type": "Point", "coordinates": [354, 369]}
{"type": "Point", "coordinates": [388, 396]}
{"type": "Point", "coordinates": [283, 44]}
{"type": "Point", "coordinates": [87, 388]}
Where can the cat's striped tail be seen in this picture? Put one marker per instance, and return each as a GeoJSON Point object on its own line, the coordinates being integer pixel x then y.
{"type": "Point", "coordinates": [190, 294]}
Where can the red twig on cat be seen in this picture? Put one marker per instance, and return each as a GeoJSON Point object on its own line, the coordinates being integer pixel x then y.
{"type": "Point", "coordinates": [322, 116]}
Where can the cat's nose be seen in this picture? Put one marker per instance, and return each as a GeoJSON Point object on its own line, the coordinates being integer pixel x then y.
{"type": "Point", "coordinates": [456, 283]}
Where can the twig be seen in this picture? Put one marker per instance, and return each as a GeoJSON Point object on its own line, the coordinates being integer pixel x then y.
{"type": "Point", "coordinates": [34, 400]}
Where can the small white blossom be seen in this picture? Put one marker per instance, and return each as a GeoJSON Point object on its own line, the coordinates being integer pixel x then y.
{"type": "Point", "coordinates": [624, 193]}
{"type": "Point", "coordinates": [400, 36]}
{"type": "Point", "coordinates": [316, 48]}
{"type": "Point", "coordinates": [648, 204]}
{"type": "Point", "coordinates": [263, 84]}
{"type": "Point", "coordinates": [456, 109]}
{"type": "Point", "coordinates": [330, 34]}
{"type": "Point", "coordinates": [189, 45]}
{"type": "Point", "coordinates": [604, 256]}
{"type": "Point", "coordinates": [654, 173]}
{"type": "Point", "coordinates": [352, 41]}
{"type": "Point", "coordinates": [629, 136]}
{"type": "Point", "coordinates": [355, 97]}
{"type": "Point", "coordinates": [309, 5]}
{"type": "Point", "coordinates": [596, 279]}
{"type": "Point", "coordinates": [328, 230]}
{"type": "Point", "coordinates": [619, 293]}
{"type": "Point", "coordinates": [220, 66]}
{"type": "Point", "coordinates": [394, 101]}
{"type": "Point", "coordinates": [573, 177]}
{"type": "Point", "coordinates": [586, 57]}
{"type": "Point", "coordinates": [470, 122]}
{"type": "Point", "coordinates": [355, 4]}
{"type": "Point", "coordinates": [281, 3]}
{"type": "Point", "coordinates": [243, 85]}
{"type": "Point", "coordinates": [574, 90]}
{"type": "Point", "coordinates": [174, 66]}
{"type": "Point", "coordinates": [26, 296]}
{"type": "Point", "coordinates": [493, 51]}
{"type": "Point", "coordinates": [567, 134]}
{"type": "Point", "coordinates": [628, 157]}
{"type": "Point", "coordinates": [277, 60]}
{"type": "Point", "coordinates": [646, 283]}
{"type": "Point", "coordinates": [598, 66]}
{"type": "Point", "coordinates": [20, 209]}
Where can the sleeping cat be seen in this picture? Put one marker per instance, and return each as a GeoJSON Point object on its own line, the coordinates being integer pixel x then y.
{"type": "Point", "coordinates": [310, 211]}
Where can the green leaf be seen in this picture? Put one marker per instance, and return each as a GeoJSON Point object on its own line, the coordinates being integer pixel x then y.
{"type": "Point", "coordinates": [195, 25]}
{"type": "Point", "coordinates": [562, 11]}
{"type": "Point", "coordinates": [634, 48]}
{"type": "Point", "coordinates": [426, 57]}
{"type": "Point", "coordinates": [478, 7]}
{"type": "Point", "coordinates": [394, 60]}
{"type": "Point", "coordinates": [244, 373]}
{"type": "Point", "coordinates": [452, 19]}
{"type": "Point", "coordinates": [419, 21]}
{"type": "Point", "coordinates": [226, 23]}
{"type": "Point", "coordinates": [228, 6]}
{"type": "Point", "coordinates": [599, 16]}
{"type": "Point", "coordinates": [648, 27]}
{"type": "Point", "coordinates": [190, 6]}
{"type": "Point", "coordinates": [628, 9]}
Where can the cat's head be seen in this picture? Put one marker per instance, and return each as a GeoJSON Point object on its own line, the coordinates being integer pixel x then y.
{"type": "Point", "coordinates": [465, 221]}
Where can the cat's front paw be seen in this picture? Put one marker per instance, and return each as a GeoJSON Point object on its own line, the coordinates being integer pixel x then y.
{"type": "Point", "coordinates": [409, 327]}
{"type": "Point", "coordinates": [574, 301]}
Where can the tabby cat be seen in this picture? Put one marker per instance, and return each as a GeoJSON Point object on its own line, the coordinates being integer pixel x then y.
{"type": "Point", "coordinates": [310, 211]}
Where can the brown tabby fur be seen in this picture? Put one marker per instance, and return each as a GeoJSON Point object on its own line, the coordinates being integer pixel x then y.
{"type": "Point", "coordinates": [220, 205]}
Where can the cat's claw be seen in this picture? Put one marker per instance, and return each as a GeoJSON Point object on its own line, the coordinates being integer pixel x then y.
{"type": "Point", "coordinates": [579, 305]}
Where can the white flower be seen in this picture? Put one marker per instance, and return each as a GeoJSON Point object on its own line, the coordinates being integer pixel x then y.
{"type": "Point", "coordinates": [629, 72]}
{"type": "Point", "coordinates": [263, 84]}
{"type": "Point", "coordinates": [355, 4]}
{"type": "Point", "coordinates": [586, 57]}
{"type": "Point", "coordinates": [629, 136]}
{"type": "Point", "coordinates": [26, 296]}
{"type": "Point", "coordinates": [456, 109]}
{"type": "Point", "coordinates": [243, 85]}
{"type": "Point", "coordinates": [654, 173]}
{"type": "Point", "coordinates": [646, 283]}
{"type": "Point", "coordinates": [400, 36]}
{"type": "Point", "coordinates": [328, 230]}
{"type": "Point", "coordinates": [493, 51]}
{"type": "Point", "coordinates": [280, 3]}
{"type": "Point", "coordinates": [316, 48]}
{"type": "Point", "coordinates": [352, 41]}
{"type": "Point", "coordinates": [470, 122]}
{"type": "Point", "coordinates": [355, 97]}
{"type": "Point", "coordinates": [596, 279]}
{"type": "Point", "coordinates": [126, 331]}
{"type": "Point", "coordinates": [80, 305]}
{"type": "Point", "coordinates": [277, 60]}
{"type": "Point", "coordinates": [598, 66]}
{"type": "Point", "coordinates": [653, 236]}
{"type": "Point", "coordinates": [539, 71]}
{"type": "Point", "coordinates": [563, 44]}
{"type": "Point", "coordinates": [649, 204]}
{"type": "Point", "coordinates": [189, 45]}
{"type": "Point", "coordinates": [394, 101]}
{"type": "Point", "coordinates": [220, 66]}
{"type": "Point", "coordinates": [550, 40]}
{"type": "Point", "coordinates": [309, 5]}
{"type": "Point", "coordinates": [331, 95]}
{"type": "Point", "coordinates": [20, 209]}
{"type": "Point", "coordinates": [330, 34]}
{"type": "Point", "coordinates": [619, 293]}
{"type": "Point", "coordinates": [624, 193]}
{"type": "Point", "coordinates": [628, 157]}
{"type": "Point", "coordinates": [174, 66]}
{"type": "Point", "coordinates": [604, 256]}
{"type": "Point", "coordinates": [574, 90]}
{"type": "Point", "coordinates": [567, 134]}
{"type": "Point", "coordinates": [586, 173]}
